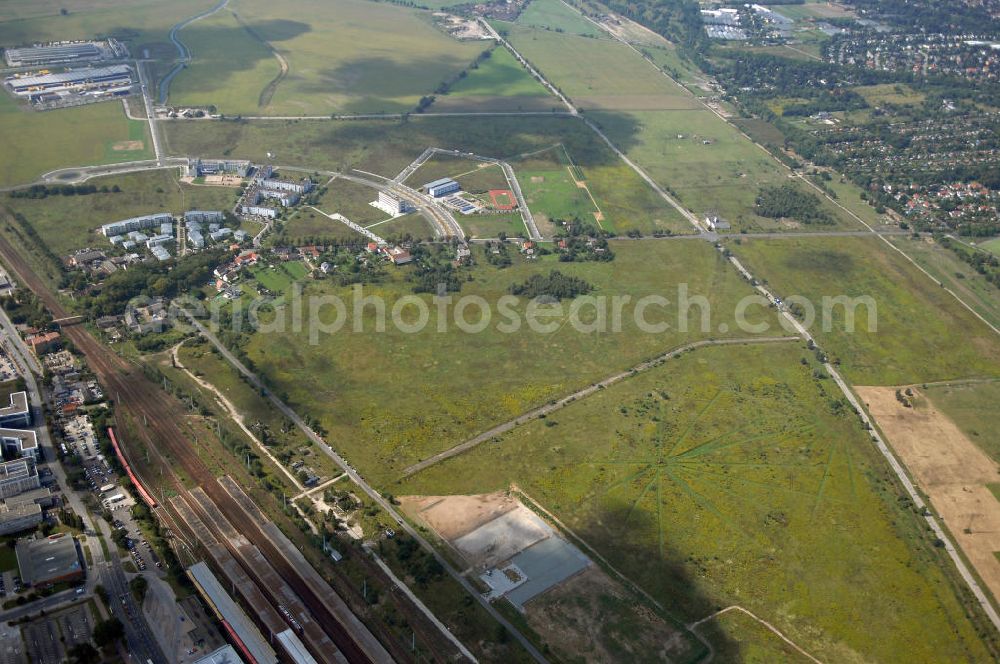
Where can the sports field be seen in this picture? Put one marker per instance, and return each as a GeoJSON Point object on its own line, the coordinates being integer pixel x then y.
{"type": "Point", "coordinates": [554, 15]}
{"type": "Point", "coordinates": [706, 163]}
{"type": "Point", "coordinates": [499, 83]}
{"type": "Point", "coordinates": [549, 184]}
{"type": "Point", "coordinates": [342, 56]}
{"type": "Point", "coordinates": [85, 135]}
{"type": "Point", "coordinates": [390, 399]}
{"type": "Point", "coordinates": [599, 74]}
{"type": "Point", "coordinates": [58, 220]}
{"type": "Point", "coordinates": [917, 323]}
{"type": "Point", "coordinates": [727, 477]}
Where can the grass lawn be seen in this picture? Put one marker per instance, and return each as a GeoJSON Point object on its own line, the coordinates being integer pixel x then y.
{"type": "Point", "coordinates": [8, 558]}
{"type": "Point", "coordinates": [922, 332]}
{"type": "Point", "coordinates": [972, 406]}
{"type": "Point", "coordinates": [343, 56]}
{"type": "Point", "coordinates": [733, 476]}
{"type": "Point", "coordinates": [81, 136]}
{"type": "Point", "coordinates": [491, 225]}
{"type": "Point", "coordinates": [888, 93]}
{"type": "Point", "coordinates": [412, 224]}
{"type": "Point", "coordinates": [499, 83]}
{"type": "Point", "coordinates": [307, 225]}
{"type": "Point", "coordinates": [706, 163]}
{"type": "Point", "coordinates": [550, 189]}
{"type": "Point", "coordinates": [351, 200]}
{"type": "Point", "coordinates": [956, 274]}
{"type": "Point", "coordinates": [599, 74]}
{"type": "Point", "coordinates": [992, 246]}
{"type": "Point", "coordinates": [279, 279]}
{"type": "Point", "coordinates": [389, 399]}
{"type": "Point", "coordinates": [58, 221]}
{"type": "Point", "coordinates": [554, 15]}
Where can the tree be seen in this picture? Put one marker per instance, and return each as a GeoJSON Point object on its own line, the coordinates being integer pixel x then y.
{"type": "Point", "coordinates": [84, 653]}
{"type": "Point", "coordinates": [108, 631]}
{"type": "Point", "coordinates": [139, 585]}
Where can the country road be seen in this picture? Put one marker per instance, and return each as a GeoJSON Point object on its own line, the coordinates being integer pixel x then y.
{"type": "Point", "coordinates": [561, 403]}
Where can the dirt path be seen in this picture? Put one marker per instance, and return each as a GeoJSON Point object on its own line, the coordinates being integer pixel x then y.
{"type": "Point", "coordinates": [949, 468]}
{"type": "Point", "coordinates": [549, 408]}
{"type": "Point", "coordinates": [235, 416]}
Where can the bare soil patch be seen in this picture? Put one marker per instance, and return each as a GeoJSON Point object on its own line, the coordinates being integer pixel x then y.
{"type": "Point", "coordinates": [454, 516]}
{"type": "Point", "coordinates": [949, 468]}
{"type": "Point", "coordinates": [127, 146]}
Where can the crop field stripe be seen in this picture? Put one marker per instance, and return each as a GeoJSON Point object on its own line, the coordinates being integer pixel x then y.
{"type": "Point", "coordinates": [699, 468]}
{"type": "Point", "coordinates": [700, 450]}
{"type": "Point", "coordinates": [731, 432]}
{"type": "Point", "coordinates": [822, 483]}
{"type": "Point", "coordinates": [639, 498]}
{"type": "Point", "coordinates": [694, 421]}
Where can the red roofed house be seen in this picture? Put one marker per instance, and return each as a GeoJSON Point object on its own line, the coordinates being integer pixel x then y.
{"type": "Point", "coordinates": [43, 343]}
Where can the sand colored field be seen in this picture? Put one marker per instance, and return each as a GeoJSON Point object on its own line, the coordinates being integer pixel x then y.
{"type": "Point", "coordinates": [950, 469]}
{"type": "Point", "coordinates": [122, 146]}
{"type": "Point", "coordinates": [452, 517]}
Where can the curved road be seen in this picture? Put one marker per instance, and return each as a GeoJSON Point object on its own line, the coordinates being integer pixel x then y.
{"type": "Point", "coordinates": [184, 54]}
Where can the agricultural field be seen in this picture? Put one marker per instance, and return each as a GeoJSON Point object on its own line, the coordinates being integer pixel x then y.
{"type": "Point", "coordinates": [972, 407]}
{"type": "Point", "coordinates": [458, 384]}
{"type": "Point", "coordinates": [351, 57]}
{"type": "Point", "coordinates": [917, 323]}
{"type": "Point", "coordinates": [58, 221]}
{"type": "Point", "coordinates": [85, 135]}
{"type": "Point", "coordinates": [733, 475]}
{"type": "Point", "coordinates": [599, 74]}
{"type": "Point", "coordinates": [499, 83]}
{"type": "Point", "coordinates": [555, 16]}
{"type": "Point", "coordinates": [954, 273]}
{"type": "Point", "coordinates": [707, 164]}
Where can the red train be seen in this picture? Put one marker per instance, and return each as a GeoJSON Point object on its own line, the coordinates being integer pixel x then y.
{"type": "Point", "coordinates": [145, 495]}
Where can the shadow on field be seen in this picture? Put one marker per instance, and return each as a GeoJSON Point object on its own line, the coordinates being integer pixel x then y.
{"type": "Point", "coordinates": [384, 77]}
{"type": "Point", "coordinates": [629, 539]}
{"type": "Point", "coordinates": [243, 47]}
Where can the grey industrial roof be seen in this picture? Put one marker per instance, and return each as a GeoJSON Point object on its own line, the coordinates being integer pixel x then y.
{"type": "Point", "coordinates": [224, 655]}
{"type": "Point", "coordinates": [233, 614]}
{"type": "Point", "coordinates": [294, 648]}
{"type": "Point", "coordinates": [438, 183]}
{"type": "Point", "coordinates": [45, 559]}
{"type": "Point", "coordinates": [71, 76]}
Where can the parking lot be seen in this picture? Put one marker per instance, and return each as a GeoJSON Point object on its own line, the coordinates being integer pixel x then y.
{"type": "Point", "coordinates": [41, 639]}
{"type": "Point", "coordinates": [11, 645]}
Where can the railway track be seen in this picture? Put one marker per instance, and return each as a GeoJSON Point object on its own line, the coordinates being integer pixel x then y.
{"type": "Point", "coordinates": [162, 413]}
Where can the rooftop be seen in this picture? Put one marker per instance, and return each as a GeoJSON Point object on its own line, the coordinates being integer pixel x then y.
{"type": "Point", "coordinates": [42, 560]}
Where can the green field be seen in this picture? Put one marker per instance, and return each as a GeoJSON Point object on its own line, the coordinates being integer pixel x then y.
{"type": "Point", "coordinates": [726, 477]}
{"type": "Point", "coordinates": [81, 136]}
{"type": "Point", "coordinates": [706, 163]}
{"type": "Point", "coordinates": [556, 16]}
{"type": "Point", "coordinates": [386, 147]}
{"type": "Point", "coordinates": [231, 69]}
{"type": "Point", "coordinates": [280, 277]}
{"type": "Point", "coordinates": [945, 266]}
{"type": "Point", "coordinates": [992, 246]}
{"type": "Point", "coordinates": [972, 406]}
{"type": "Point", "coordinates": [922, 333]}
{"type": "Point", "coordinates": [599, 74]}
{"type": "Point", "coordinates": [58, 221]}
{"type": "Point", "coordinates": [389, 399]}
{"type": "Point", "coordinates": [499, 83]}
{"type": "Point", "coordinates": [877, 95]}
{"type": "Point", "coordinates": [343, 56]}
{"type": "Point", "coordinates": [550, 189]}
